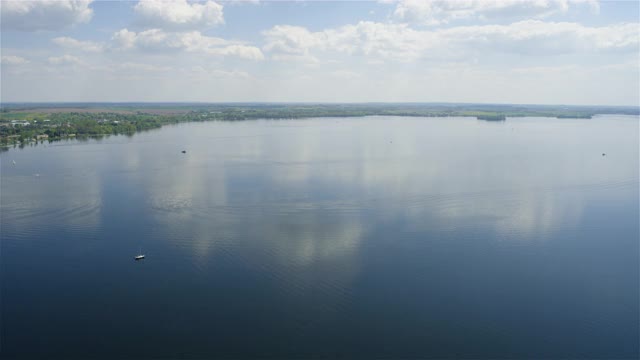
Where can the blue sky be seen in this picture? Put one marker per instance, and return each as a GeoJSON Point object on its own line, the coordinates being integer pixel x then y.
{"type": "Point", "coordinates": [488, 51]}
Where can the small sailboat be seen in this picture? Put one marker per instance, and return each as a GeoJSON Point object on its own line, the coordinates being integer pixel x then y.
{"type": "Point", "coordinates": [139, 257]}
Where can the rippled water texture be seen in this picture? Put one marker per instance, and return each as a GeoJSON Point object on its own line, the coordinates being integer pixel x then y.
{"type": "Point", "coordinates": [352, 237]}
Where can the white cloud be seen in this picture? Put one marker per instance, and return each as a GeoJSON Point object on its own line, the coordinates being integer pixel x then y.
{"type": "Point", "coordinates": [201, 72]}
{"type": "Point", "coordinates": [240, 51]}
{"type": "Point", "coordinates": [536, 37]}
{"type": "Point", "coordinates": [345, 74]}
{"type": "Point", "coordinates": [13, 60]}
{"type": "Point", "coordinates": [293, 40]}
{"type": "Point", "coordinates": [71, 43]}
{"type": "Point", "coordinates": [401, 42]}
{"type": "Point", "coordinates": [157, 40]}
{"type": "Point", "coordinates": [436, 12]}
{"type": "Point", "coordinates": [160, 40]}
{"type": "Point", "coordinates": [241, 2]}
{"type": "Point", "coordinates": [305, 59]}
{"type": "Point", "coordinates": [178, 14]}
{"type": "Point", "coordinates": [44, 14]}
{"type": "Point", "coordinates": [137, 67]}
{"type": "Point", "coordinates": [65, 60]}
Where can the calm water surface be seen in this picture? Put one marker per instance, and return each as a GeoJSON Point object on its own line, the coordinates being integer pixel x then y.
{"type": "Point", "coordinates": [351, 237]}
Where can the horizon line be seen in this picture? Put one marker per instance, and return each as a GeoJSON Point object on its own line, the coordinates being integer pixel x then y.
{"type": "Point", "coordinates": [308, 102]}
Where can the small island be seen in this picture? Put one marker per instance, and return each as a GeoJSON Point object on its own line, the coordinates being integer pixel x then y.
{"type": "Point", "coordinates": [492, 117]}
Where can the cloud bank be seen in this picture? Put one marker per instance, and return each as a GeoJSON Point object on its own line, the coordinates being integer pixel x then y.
{"type": "Point", "coordinates": [179, 14]}
{"type": "Point", "coordinates": [44, 15]}
{"type": "Point", "coordinates": [436, 12]}
{"type": "Point", "coordinates": [401, 42]}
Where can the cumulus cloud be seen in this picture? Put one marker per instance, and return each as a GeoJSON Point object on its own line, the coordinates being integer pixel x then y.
{"type": "Point", "coordinates": [137, 67]}
{"type": "Point", "coordinates": [293, 40]}
{"type": "Point", "coordinates": [436, 12]}
{"type": "Point", "coordinates": [44, 14]}
{"type": "Point", "coordinates": [178, 14]}
{"type": "Point", "coordinates": [305, 59]}
{"type": "Point", "coordinates": [71, 43]}
{"type": "Point", "coordinates": [345, 74]}
{"type": "Point", "coordinates": [65, 60]}
{"type": "Point", "coordinates": [200, 72]}
{"type": "Point", "coordinates": [241, 2]}
{"type": "Point", "coordinates": [158, 40]}
{"type": "Point", "coordinates": [401, 42]}
{"type": "Point", "coordinates": [536, 37]}
{"type": "Point", "coordinates": [13, 60]}
{"type": "Point", "coordinates": [241, 51]}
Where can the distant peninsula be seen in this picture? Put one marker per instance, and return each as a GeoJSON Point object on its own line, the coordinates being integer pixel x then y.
{"type": "Point", "coordinates": [21, 123]}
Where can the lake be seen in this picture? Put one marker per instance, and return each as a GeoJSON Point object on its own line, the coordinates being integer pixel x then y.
{"type": "Point", "coordinates": [364, 237]}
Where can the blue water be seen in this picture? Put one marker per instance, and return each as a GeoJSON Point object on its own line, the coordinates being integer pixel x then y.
{"type": "Point", "coordinates": [381, 237]}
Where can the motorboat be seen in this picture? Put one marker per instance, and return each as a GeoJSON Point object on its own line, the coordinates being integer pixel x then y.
{"type": "Point", "coordinates": [139, 257]}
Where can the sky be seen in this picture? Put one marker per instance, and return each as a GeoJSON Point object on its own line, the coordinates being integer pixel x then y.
{"type": "Point", "coordinates": [580, 52]}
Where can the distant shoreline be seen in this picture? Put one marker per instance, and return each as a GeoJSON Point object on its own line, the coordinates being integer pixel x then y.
{"type": "Point", "coordinates": [20, 124]}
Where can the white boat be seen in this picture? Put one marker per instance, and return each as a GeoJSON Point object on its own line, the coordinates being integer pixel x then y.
{"type": "Point", "coordinates": [139, 257]}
